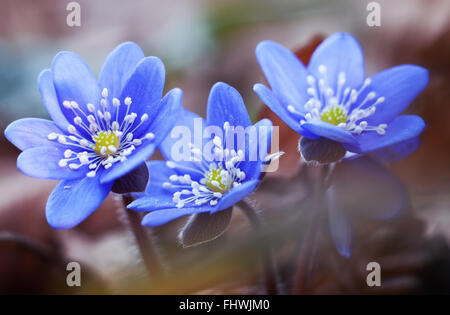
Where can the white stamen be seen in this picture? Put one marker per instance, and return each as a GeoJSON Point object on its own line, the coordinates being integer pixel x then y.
{"type": "Point", "coordinates": [343, 103]}
{"type": "Point", "coordinates": [68, 153]}
{"type": "Point", "coordinates": [91, 107]}
{"type": "Point", "coordinates": [100, 128]}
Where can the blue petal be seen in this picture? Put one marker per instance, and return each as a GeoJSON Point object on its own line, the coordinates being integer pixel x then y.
{"type": "Point", "coordinates": [284, 71]}
{"type": "Point", "coordinates": [186, 119]}
{"type": "Point", "coordinates": [159, 173]}
{"type": "Point", "coordinates": [402, 128]}
{"type": "Point", "coordinates": [145, 87]}
{"type": "Point", "coordinates": [397, 151]}
{"type": "Point", "coordinates": [340, 52]}
{"type": "Point", "coordinates": [329, 131]}
{"type": "Point", "coordinates": [251, 167]}
{"type": "Point", "coordinates": [118, 67]}
{"type": "Point", "coordinates": [271, 100]}
{"type": "Point", "coordinates": [27, 133]}
{"type": "Point", "coordinates": [399, 86]}
{"type": "Point", "coordinates": [365, 188]}
{"type": "Point", "coordinates": [160, 217]}
{"type": "Point", "coordinates": [340, 228]}
{"type": "Point", "coordinates": [162, 124]}
{"type": "Point", "coordinates": [74, 81]}
{"type": "Point", "coordinates": [50, 100]}
{"type": "Point", "coordinates": [139, 155]}
{"type": "Point", "coordinates": [152, 203]}
{"type": "Point", "coordinates": [225, 104]}
{"type": "Point", "coordinates": [265, 132]}
{"type": "Point", "coordinates": [72, 201]}
{"type": "Point", "coordinates": [42, 162]}
{"type": "Point", "coordinates": [235, 195]}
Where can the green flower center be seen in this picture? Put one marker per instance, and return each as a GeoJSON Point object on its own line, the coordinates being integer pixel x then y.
{"type": "Point", "coordinates": [106, 143]}
{"type": "Point", "coordinates": [218, 180]}
{"type": "Point", "coordinates": [334, 115]}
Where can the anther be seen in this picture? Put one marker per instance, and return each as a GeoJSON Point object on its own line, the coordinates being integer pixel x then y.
{"type": "Point", "coordinates": [116, 102]}
{"type": "Point", "coordinates": [105, 93]}
{"type": "Point", "coordinates": [90, 107]}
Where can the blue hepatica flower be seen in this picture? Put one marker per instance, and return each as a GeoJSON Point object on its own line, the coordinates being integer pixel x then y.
{"type": "Point", "coordinates": [332, 98]}
{"type": "Point", "coordinates": [101, 130]}
{"type": "Point", "coordinates": [216, 173]}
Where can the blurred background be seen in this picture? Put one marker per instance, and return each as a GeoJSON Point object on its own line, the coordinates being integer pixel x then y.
{"type": "Point", "coordinates": [201, 42]}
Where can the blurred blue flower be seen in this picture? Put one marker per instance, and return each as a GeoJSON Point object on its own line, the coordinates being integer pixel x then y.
{"type": "Point", "coordinates": [214, 175]}
{"type": "Point", "coordinates": [361, 188]}
{"type": "Point", "coordinates": [101, 130]}
{"type": "Point", "coordinates": [331, 99]}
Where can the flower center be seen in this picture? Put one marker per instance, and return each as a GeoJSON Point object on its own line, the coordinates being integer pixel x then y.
{"type": "Point", "coordinates": [341, 106]}
{"type": "Point", "coordinates": [218, 180]}
{"type": "Point", "coordinates": [106, 143]}
{"type": "Point", "coordinates": [334, 115]}
{"type": "Point", "coordinates": [100, 137]}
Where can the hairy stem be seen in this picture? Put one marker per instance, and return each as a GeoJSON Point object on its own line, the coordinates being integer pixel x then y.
{"type": "Point", "coordinates": [144, 242]}
{"type": "Point", "coordinates": [268, 261]}
{"type": "Point", "coordinates": [310, 240]}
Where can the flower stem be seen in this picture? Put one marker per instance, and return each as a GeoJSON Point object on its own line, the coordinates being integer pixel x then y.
{"type": "Point", "coordinates": [310, 240]}
{"type": "Point", "coordinates": [268, 261]}
{"type": "Point", "coordinates": [143, 240]}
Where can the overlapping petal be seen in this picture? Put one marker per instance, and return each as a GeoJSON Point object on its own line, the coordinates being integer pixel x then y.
{"type": "Point", "coordinates": [74, 81]}
{"type": "Point", "coordinates": [72, 201]}
{"type": "Point", "coordinates": [235, 195]}
{"type": "Point", "coordinates": [329, 131]}
{"type": "Point", "coordinates": [145, 86]}
{"type": "Point", "coordinates": [272, 101]}
{"type": "Point", "coordinates": [340, 52]}
{"type": "Point", "coordinates": [284, 71]}
{"type": "Point", "coordinates": [27, 133]}
{"type": "Point", "coordinates": [118, 67]}
{"type": "Point", "coordinates": [399, 86]}
{"type": "Point", "coordinates": [402, 128]}
{"type": "Point", "coordinates": [225, 104]}
{"type": "Point", "coordinates": [163, 216]}
{"type": "Point", "coordinates": [43, 163]}
{"type": "Point", "coordinates": [50, 99]}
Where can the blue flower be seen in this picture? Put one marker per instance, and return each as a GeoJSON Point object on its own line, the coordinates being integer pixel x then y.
{"type": "Point", "coordinates": [332, 99]}
{"type": "Point", "coordinates": [100, 130]}
{"type": "Point", "coordinates": [212, 176]}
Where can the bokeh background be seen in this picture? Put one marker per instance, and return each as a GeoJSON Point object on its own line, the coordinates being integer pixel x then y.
{"type": "Point", "coordinates": [201, 42]}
